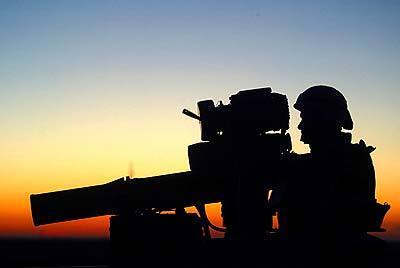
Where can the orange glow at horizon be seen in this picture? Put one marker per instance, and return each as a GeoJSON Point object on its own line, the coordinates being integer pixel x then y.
{"type": "Point", "coordinates": [19, 224]}
{"type": "Point", "coordinates": [15, 207]}
{"type": "Point", "coordinates": [88, 228]}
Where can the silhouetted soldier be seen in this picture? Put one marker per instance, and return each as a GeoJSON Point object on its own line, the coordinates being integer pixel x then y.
{"type": "Point", "coordinates": [332, 189]}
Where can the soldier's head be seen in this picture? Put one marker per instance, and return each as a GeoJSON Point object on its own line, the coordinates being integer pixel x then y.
{"type": "Point", "coordinates": [323, 112]}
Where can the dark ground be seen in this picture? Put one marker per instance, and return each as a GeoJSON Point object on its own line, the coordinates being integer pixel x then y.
{"type": "Point", "coordinates": [97, 253]}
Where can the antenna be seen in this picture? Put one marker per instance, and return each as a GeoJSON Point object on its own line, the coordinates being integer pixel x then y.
{"type": "Point", "coordinates": [191, 114]}
{"type": "Point", "coordinates": [131, 170]}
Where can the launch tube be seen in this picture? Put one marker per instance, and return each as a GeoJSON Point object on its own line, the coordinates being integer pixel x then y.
{"type": "Point", "coordinates": [181, 189]}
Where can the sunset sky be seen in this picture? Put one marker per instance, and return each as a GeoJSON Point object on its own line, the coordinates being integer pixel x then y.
{"type": "Point", "coordinates": [88, 87]}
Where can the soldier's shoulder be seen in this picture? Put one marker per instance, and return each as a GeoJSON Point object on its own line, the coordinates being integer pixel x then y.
{"type": "Point", "coordinates": [361, 148]}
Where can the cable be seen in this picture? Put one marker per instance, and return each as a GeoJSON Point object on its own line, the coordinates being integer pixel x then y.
{"type": "Point", "coordinates": [203, 215]}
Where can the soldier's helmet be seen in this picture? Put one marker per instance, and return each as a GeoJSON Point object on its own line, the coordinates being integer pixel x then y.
{"type": "Point", "coordinates": [325, 101]}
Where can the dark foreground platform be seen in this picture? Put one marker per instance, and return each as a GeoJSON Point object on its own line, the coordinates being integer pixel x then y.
{"type": "Point", "coordinates": [97, 253]}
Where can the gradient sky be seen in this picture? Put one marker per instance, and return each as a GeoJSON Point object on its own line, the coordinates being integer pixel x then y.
{"type": "Point", "coordinates": [86, 87]}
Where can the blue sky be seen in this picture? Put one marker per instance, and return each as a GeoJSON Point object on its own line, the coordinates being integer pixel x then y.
{"type": "Point", "coordinates": [56, 54]}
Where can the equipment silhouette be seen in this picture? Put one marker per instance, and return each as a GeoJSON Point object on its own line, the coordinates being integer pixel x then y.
{"type": "Point", "coordinates": [324, 201]}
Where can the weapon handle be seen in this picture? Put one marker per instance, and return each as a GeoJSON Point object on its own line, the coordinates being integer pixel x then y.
{"type": "Point", "coordinates": [191, 114]}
